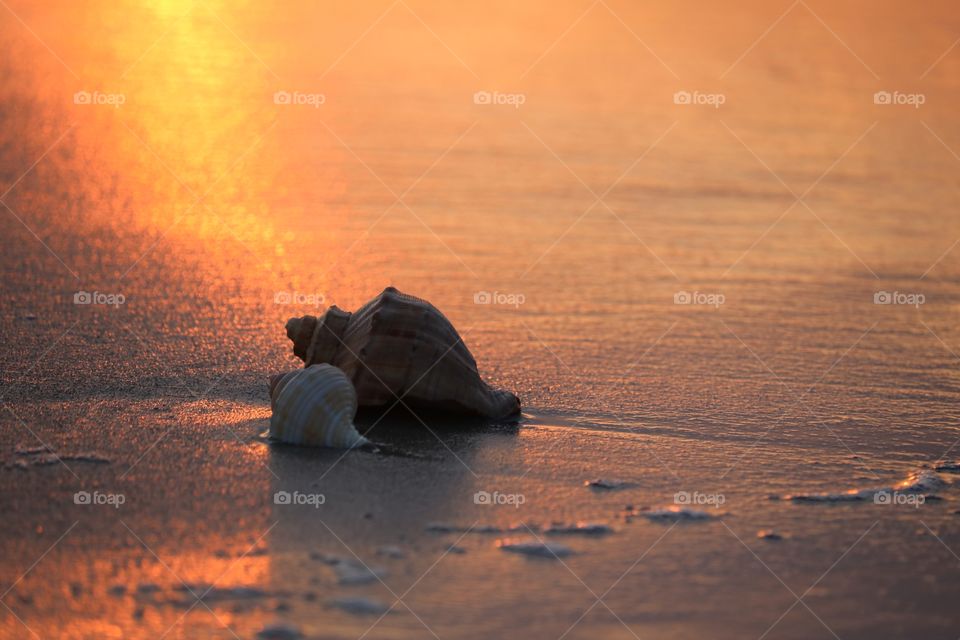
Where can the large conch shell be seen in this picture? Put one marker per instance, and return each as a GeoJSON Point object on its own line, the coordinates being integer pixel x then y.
{"type": "Point", "coordinates": [399, 346]}
{"type": "Point", "coordinates": [314, 407]}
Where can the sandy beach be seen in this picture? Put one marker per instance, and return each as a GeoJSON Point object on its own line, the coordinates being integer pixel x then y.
{"type": "Point", "coordinates": [712, 249]}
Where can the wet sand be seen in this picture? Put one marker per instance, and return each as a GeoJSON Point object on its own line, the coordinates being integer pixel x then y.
{"type": "Point", "coordinates": [200, 510]}
{"type": "Point", "coordinates": [218, 213]}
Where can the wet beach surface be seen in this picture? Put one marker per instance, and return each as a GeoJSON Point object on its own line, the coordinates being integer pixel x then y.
{"type": "Point", "coordinates": [216, 213]}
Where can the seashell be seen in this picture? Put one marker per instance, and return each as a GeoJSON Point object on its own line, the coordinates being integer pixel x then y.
{"type": "Point", "coordinates": [398, 346]}
{"type": "Point", "coordinates": [314, 407]}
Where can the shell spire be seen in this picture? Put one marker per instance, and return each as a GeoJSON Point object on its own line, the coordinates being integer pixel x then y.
{"type": "Point", "coordinates": [398, 346]}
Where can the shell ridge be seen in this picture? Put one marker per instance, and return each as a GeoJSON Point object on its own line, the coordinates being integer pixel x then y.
{"type": "Point", "coordinates": [316, 406]}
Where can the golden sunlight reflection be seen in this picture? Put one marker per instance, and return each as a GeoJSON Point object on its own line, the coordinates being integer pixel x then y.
{"type": "Point", "coordinates": [229, 164]}
{"type": "Point", "coordinates": [187, 153]}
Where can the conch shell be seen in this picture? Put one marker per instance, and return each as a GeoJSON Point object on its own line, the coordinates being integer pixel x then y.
{"type": "Point", "coordinates": [399, 346]}
{"type": "Point", "coordinates": [314, 407]}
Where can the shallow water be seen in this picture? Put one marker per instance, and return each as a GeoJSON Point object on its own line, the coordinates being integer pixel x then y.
{"type": "Point", "coordinates": [585, 210]}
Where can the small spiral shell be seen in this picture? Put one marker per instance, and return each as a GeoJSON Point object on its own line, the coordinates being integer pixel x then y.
{"type": "Point", "coordinates": [314, 407]}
